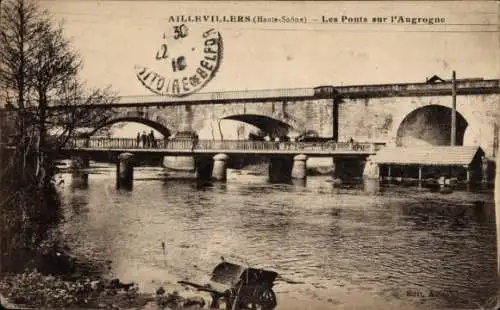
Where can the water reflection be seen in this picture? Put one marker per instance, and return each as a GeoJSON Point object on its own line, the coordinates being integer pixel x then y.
{"type": "Point", "coordinates": [79, 180]}
{"type": "Point", "coordinates": [299, 182]}
{"type": "Point", "coordinates": [371, 186]}
{"type": "Point", "coordinates": [349, 244]}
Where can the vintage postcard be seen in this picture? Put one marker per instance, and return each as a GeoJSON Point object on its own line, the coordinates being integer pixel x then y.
{"type": "Point", "coordinates": [248, 154]}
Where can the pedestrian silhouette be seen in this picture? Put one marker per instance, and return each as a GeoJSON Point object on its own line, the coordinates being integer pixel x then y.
{"type": "Point", "coordinates": [144, 139]}
{"type": "Point", "coordinates": [151, 138]}
{"type": "Point", "coordinates": [195, 142]}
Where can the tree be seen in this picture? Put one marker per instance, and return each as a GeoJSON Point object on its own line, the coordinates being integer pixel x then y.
{"type": "Point", "coordinates": [39, 79]}
{"type": "Point", "coordinates": [38, 70]}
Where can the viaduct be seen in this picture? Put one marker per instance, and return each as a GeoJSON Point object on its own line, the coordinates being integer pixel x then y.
{"type": "Point", "coordinates": [395, 114]}
{"type": "Point", "coordinates": [409, 114]}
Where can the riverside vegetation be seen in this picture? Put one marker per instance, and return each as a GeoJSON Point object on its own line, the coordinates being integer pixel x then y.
{"type": "Point", "coordinates": [38, 66]}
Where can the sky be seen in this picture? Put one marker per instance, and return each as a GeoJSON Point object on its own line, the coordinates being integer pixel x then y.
{"type": "Point", "coordinates": [115, 36]}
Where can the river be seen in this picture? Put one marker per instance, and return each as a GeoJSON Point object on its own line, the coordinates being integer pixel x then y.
{"type": "Point", "coordinates": [335, 247]}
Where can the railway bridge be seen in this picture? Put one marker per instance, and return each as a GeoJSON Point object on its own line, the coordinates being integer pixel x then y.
{"type": "Point", "coordinates": [395, 114]}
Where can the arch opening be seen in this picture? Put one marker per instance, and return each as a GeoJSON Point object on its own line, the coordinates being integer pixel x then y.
{"type": "Point", "coordinates": [430, 125]}
{"type": "Point", "coordinates": [261, 125]}
{"type": "Point", "coordinates": [159, 128]}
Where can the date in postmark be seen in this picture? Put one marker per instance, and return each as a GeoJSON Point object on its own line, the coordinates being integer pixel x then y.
{"type": "Point", "coordinates": [186, 61]}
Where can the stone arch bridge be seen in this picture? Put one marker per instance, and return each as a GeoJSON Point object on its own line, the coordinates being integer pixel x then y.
{"type": "Point", "coordinates": [396, 114]}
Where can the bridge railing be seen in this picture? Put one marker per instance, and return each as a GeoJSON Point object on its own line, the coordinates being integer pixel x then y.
{"type": "Point", "coordinates": [241, 145]}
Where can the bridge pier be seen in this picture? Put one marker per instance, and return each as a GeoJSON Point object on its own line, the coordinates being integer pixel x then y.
{"type": "Point", "coordinates": [299, 169]}
{"type": "Point", "coordinates": [203, 167]}
{"type": "Point", "coordinates": [371, 170]}
{"type": "Point", "coordinates": [79, 178]}
{"type": "Point", "coordinates": [336, 170]}
{"type": "Point", "coordinates": [79, 162]}
{"type": "Point", "coordinates": [125, 171]}
{"type": "Point", "coordinates": [280, 169]}
{"type": "Point", "coordinates": [219, 171]}
{"type": "Point", "coordinates": [371, 186]}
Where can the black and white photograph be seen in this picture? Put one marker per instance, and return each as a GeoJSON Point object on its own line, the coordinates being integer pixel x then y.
{"type": "Point", "coordinates": [243, 155]}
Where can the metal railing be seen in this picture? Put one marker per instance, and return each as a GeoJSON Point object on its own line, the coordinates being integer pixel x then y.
{"type": "Point", "coordinates": [221, 145]}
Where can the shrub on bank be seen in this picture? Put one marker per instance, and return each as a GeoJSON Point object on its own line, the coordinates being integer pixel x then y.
{"type": "Point", "coordinates": [36, 290]}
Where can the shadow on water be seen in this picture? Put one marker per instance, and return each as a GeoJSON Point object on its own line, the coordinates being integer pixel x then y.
{"type": "Point", "coordinates": [195, 184]}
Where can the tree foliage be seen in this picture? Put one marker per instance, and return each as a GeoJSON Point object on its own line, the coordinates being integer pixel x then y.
{"type": "Point", "coordinates": [39, 70]}
{"type": "Point", "coordinates": [40, 83]}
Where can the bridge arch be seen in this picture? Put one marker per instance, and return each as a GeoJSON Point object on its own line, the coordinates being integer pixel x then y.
{"type": "Point", "coordinates": [431, 124]}
{"type": "Point", "coordinates": [269, 125]}
{"type": "Point", "coordinates": [156, 125]}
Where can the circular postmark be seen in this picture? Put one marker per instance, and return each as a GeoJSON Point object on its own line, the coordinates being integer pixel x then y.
{"type": "Point", "coordinates": [185, 62]}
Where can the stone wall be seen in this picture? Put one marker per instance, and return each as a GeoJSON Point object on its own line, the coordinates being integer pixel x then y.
{"type": "Point", "coordinates": [378, 119]}
{"type": "Point", "coordinates": [300, 116]}
{"type": "Point", "coordinates": [366, 119]}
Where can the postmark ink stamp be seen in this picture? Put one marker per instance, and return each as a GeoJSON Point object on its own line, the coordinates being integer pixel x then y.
{"type": "Point", "coordinates": [186, 61]}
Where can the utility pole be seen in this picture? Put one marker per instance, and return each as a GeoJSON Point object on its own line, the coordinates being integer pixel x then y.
{"type": "Point", "coordinates": [453, 109]}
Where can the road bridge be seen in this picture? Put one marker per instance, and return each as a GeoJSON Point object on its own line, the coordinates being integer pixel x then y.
{"type": "Point", "coordinates": [287, 160]}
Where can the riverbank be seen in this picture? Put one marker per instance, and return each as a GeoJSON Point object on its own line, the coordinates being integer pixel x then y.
{"type": "Point", "coordinates": [34, 290]}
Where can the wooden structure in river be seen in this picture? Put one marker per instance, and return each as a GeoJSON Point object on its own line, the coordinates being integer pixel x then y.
{"type": "Point", "coordinates": [462, 163]}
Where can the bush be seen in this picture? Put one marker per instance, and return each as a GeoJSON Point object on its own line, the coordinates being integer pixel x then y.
{"type": "Point", "coordinates": [36, 290]}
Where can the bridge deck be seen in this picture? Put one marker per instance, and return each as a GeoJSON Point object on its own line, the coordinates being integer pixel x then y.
{"type": "Point", "coordinates": [211, 147]}
{"type": "Point", "coordinates": [464, 87]}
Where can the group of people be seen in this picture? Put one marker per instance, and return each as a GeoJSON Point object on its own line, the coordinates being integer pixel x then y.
{"type": "Point", "coordinates": [146, 140]}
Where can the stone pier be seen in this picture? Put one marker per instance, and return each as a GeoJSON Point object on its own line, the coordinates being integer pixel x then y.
{"type": "Point", "coordinates": [204, 166]}
{"type": "Point", "coordinates": [280, 169]}
{"type": "Point", "coordinates": [219, 171]}
{"type": "Point", "coordinates": [79, 162]}
{"type": "Point", "coordinates": [371, 186]}
{"type": "Point", "coordinates": [299, 170]}
{"type": "Point", "coordinates": [334, 169]}
{"type": "Point", "coordinates": [371, 170]}
{"type": "Point", "coordinates": [125, 171]}
{"type": "Point", "coordinates": [337, 171]}
{"type": "Point", "coordinates": [79, 177]}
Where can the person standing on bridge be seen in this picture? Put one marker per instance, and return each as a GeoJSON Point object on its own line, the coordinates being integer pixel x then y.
{"type": "Point", "coordinates": [277, 143]}
{"type": "Point", "coordinates": [138, 139]}
{"type": "Point", "coordinates": [195, 142]}
{"type": "Point", "coordinates": [267, 138]}
{"type": "Point", "coordinates": [144, 139]}
{"type": "Point", "coordinates": [151, 138]}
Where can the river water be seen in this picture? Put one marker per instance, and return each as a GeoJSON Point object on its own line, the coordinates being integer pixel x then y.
{"type": "Point", "coordinates": [335, 247]}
